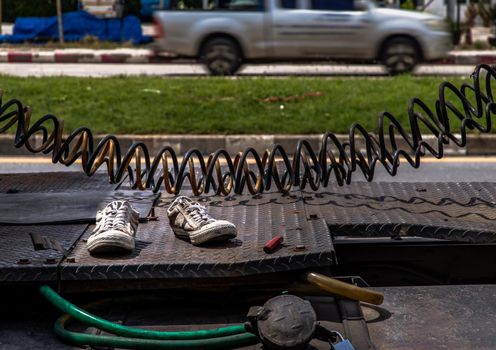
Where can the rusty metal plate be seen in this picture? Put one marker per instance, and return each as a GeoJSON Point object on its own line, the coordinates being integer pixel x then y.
{"type": "Point", "coordinates": [159, 254]}
{"type": "Point", "coordinates": [51, 197]}
{"type": "Point", "coordinates": [453, 211]}
{"type": "Point", "coordinates": [20, 262]}
{"type": "Point", "coordinates": [67, 207]}
{"type": "Point", "coordinates": [53, 182]}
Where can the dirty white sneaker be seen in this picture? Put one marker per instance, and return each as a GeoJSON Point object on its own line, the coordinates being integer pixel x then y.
{"type": "Point", "coordinates": [191, 220]}
{"type": "Point", "coordinates": [115, 229]}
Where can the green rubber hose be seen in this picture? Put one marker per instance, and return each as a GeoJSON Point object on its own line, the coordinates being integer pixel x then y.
{"type": "Point", "coordinates": [125, 331]}
{"type": "Point", "coordinates": [220, 343]}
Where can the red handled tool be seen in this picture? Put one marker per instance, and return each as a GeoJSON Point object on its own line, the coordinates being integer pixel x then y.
{"type": "Point", "coordinates": [272, 245]}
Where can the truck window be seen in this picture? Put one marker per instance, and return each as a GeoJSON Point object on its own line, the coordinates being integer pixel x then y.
{"type": "Point", "coordinates": [223, 5]}
{"type": "Point", "coordinates": [189, 4]}
{"type": "Point", "coordinates": [288, 4]}
{"type": "Point", "coordinates": [240, 5]}
{"type": "Point", "coordinates": [333, 5]}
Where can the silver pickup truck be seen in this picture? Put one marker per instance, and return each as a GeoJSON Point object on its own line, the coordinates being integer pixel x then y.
{"type": "Point", "coordinates": [226, 33]}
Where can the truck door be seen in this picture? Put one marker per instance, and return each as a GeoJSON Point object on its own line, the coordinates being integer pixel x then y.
{"type": "Point", "coordinates": [319, 28]}
{"type": "Point", "coordinates": [247, 19]}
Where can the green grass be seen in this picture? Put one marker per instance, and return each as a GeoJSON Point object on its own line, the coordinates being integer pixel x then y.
{"type": "Point", "coordinates": [219, 105]}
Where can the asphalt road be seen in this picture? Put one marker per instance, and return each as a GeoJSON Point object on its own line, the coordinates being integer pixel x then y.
{"type": "Point", "coordinates": [173, 69]}
{"type": "Point", "coordinates": [453, 169]}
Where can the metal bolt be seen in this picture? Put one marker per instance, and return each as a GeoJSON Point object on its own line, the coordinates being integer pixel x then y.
{"type": "Point", "coordinates": [24, 261]}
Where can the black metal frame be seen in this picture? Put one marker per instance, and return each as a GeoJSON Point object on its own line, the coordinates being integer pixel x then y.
{"type": "Point", "coordinates": [415, 261]}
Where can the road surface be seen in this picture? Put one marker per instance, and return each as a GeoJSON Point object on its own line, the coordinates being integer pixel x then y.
{"type": "Point", "coordinates": [452, 169]}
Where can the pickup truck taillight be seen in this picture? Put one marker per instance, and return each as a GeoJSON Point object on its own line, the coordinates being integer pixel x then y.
{"type": "Point", "coordinates": [158, 28]}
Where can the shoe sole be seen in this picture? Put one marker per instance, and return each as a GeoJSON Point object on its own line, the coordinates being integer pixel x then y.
{"type": "Point", "coordinates": [215, 234]}
{"type": "Point", "coordinates": [111, 242]}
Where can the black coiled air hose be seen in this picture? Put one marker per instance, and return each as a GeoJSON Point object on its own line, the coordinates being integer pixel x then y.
{"type": "Point", "coordinates": [224, 174]}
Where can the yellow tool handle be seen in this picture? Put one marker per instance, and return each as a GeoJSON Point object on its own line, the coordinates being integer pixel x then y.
{"type": "Point", "coordinates": [342, 289]}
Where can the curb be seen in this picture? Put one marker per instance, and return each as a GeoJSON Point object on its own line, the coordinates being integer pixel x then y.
{"type": "Point", "coordinates": [85, 56]}
{"type": "Point", "coordinates": [142, 56]}
{"type": "Point", "coordinates": [472, 57]}
{"type": "Point", "coordinates": [476, 144]}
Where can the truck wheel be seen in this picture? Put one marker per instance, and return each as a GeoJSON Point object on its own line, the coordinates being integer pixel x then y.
{"type": "Point", "coordinates": [221, 56]}
{"type": "Point", "coordinates": [400, 55]}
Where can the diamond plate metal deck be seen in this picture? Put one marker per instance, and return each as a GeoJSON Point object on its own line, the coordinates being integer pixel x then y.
{"type": "Point", "coordinates": [20, 262]}
{"type": "Point", "coordinates": [454, 211]}
{"type": "Point", "coordinates": [160, 255]}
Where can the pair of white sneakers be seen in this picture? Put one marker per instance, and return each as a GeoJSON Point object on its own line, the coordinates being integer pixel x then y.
{"type": "Point", "coordinates": [117, 223]}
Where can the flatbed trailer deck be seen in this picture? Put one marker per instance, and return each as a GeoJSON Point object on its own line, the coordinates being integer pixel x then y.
{"type": "Point", "coordinates": [433, 272]}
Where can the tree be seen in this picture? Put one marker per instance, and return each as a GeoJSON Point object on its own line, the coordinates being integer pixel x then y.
{"type": "Point", "coordinates": [1, 20]}
{"type": "Point", "coordinates": [59, 17]}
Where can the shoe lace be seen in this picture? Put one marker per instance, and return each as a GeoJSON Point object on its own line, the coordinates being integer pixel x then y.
{"type": "Point", "coordinates": [199, 213]}
{"type": "Point", "coordinates": [115, 218]}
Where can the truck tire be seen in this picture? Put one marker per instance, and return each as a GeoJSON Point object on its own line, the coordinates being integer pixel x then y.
{"type": "Point", "coordinates": [400, 55]}
{"type": "Point", "coordinates": [221, 56]}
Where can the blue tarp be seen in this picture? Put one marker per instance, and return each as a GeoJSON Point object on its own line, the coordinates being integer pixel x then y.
{"type": "Point", "coordinates": [77, 25]}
